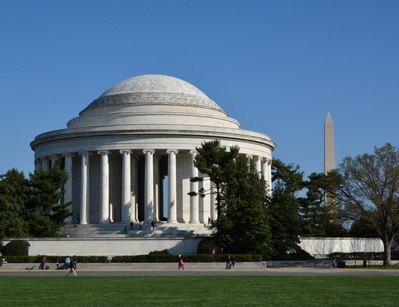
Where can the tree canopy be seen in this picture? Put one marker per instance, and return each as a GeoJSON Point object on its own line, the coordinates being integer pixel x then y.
{"type": "Point", "coordinates": [30, 207]}
{"type": "Point", "coordinates": [242, 224]}
{"type": "Point", "coordinates": [369, 192]}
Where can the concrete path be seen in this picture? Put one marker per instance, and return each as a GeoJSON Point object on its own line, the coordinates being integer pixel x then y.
{"type": "Point", "coordinates": [192, 269]}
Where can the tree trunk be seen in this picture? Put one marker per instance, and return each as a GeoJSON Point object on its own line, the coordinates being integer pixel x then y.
{"type": "Point", "coordinates": [387, 242]}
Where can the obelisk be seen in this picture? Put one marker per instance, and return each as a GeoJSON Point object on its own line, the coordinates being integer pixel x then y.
{"type": "Point", "coordinates": [329, 150]}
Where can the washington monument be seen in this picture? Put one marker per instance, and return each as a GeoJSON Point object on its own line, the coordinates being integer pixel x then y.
{"type": "Point", "coordinates": [329, 151]}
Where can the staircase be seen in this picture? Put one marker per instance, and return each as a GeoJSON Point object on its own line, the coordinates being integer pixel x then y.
{"type": "Point", "coordinates": [117, 230]}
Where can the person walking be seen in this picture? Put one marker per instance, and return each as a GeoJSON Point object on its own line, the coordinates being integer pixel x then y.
{"type": "Point", "coordinates": [228, 263]}
{"type": "Point", "coordinates": [153, 225]}
{"type": "Point", "coordinates": [67, 262]}
{"type": "Point", "coordinates": [74, 261]}
{"type": "Point", "coordinates": [181, 263]}
{"type": "Point", "coordinates": [72, 269]}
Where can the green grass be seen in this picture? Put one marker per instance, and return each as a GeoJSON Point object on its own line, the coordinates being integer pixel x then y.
{"type": "Point", "coordinates": [199, 291]}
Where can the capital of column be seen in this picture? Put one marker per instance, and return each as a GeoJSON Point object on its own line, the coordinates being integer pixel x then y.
{"type": "Point", "coordinates": [193, 152]}
{"type": "Point", "coordinates": [172, 150]}
{"type": "Point", "coordinates": [152, 151]}
{"type": "Point", "coordinates": [122, 151]}
{"type": "Point", "coordinates": [68, 154]}
{"type": "Point", "coordinates": [103, 152]}
{"type": "Point", "coordinates": [84, 153]}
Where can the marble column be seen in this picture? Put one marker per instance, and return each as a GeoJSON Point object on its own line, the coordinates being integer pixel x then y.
{"type": "Point", "coordinates": [45, 163]}
{"type": "Point", "coordinates": [134, 188]}
{"type": "Point", "coordinates": [267, 173]}
{"type": "Point", "coordinates": [258, 164]}
{"type": "Point", "coordinates": [104, 185]}
{"type": "Point", "coordinates": [264, 170]}
{"type": "Point", "coordinates": [194, 201]}
{"type": "Point", "coordinates": [126, 185]}
{"type": "Point", "coordinates": [213, 202]}
{"type": "Point", "coordinates": [84, 188]}
{"type": "Point", "coordinates": [172, 201]}
{"type": "Point", "coordinates": [38, 164]}
{"type": "Point", "coordinates": [68, 185]}
{"type": "Point", "coordinates": [54, 159]}
{"type": "Point", "coordinates": [157, 188]}
{"type": "Point", "coordinates": [149, 186]}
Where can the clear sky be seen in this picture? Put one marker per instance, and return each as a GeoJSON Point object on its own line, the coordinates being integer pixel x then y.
{"type": "Point", "coordinates": [276, 66]}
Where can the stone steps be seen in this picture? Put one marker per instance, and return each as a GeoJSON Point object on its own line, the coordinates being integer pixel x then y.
{"type": "Point", "coordinates": [116, 230]}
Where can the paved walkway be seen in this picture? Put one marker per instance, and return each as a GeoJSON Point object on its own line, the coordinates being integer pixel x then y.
{"type": "Point", "coordinates": [194, 269]}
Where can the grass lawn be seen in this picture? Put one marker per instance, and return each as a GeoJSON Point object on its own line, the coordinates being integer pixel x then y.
{"type": "Point", "coordinates": [199, 291]}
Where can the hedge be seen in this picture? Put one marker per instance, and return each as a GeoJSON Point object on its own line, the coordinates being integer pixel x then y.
{"type": "Point", "coordinates": [186, 258]}
{"type": "Point", "coordinates": [138, 258]}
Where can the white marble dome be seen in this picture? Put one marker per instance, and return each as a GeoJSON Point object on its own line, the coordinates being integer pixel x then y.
{"type": "Point", "coordinates": [153, 100]}
{"type": "Point", "coordinates": [154, 90]}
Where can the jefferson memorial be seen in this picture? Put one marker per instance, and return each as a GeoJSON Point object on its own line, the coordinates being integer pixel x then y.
{"type": "Point", "coordinates": [130, 153]}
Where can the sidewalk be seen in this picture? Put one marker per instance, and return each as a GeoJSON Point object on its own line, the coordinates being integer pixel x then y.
{"type": "Point", "coordinates": [173, 265]}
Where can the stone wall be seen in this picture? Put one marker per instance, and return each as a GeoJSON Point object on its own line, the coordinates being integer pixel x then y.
{"type": "Point", "coordinates": [109, 246]}
{"type": "Point", "coordinates": [320, 247]}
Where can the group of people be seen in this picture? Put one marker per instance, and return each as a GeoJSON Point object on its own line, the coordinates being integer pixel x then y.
{"type": "Point", "coordinates": [71, 264]}
{"type": "Point", "coordinates": [68, 264]}
{"type": "Point", "coordinates": [140, 226]}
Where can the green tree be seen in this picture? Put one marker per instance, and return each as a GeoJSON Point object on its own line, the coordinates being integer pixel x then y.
{"type": "Point", "coordinates": [43, 212]}
{"type": "Point", "coordinates": [14, 192]}
{"type": "Point", "coordinates": [369, 191]}
{"type": "Point", "coordinates": [318, 217]}
{"type": "Point", "coordinates": [213, 159]}
{"type": "Point", "coordinates": [242, 224]}
{"type": "Point", "coordinates": [285, 219]}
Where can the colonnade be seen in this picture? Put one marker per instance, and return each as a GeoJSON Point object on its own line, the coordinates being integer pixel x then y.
{"type": "Point", "coordinates": [151, 170]}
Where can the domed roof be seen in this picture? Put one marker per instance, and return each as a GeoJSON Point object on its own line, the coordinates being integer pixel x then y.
{"type": "Point", "coordinates": [154, 90]}
{"type": "Point", "coordinates": [154, 83]}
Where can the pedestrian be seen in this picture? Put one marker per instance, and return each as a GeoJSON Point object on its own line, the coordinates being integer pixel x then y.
{"type": "Point", "coordinates": [44, 263]}
{"type": "Point", "coordinates": [181, 263]}
{"type": "Point", "coordinates": [67, 262]}
{"type": "Point", "coordinates": [74, 261]}
{"type": "Point", "coordinates": [72, 269]}
{"type": "Point", "coordinates": [125, 230]}
{"type": "Point", "coordinates": [3, 261]}
{"type": "Point", "coordinates": [153, 225]}
{"type": "Point", "coordinates": [57, 262]}
{"type": "Point", "coordinates": [228, 262]}
{"type": "Point", "coordinates": [213, 252]}
{"type": "Point", "coordinates": [131, 225]}
{"type": "Point", "coordinates": [140, 225]}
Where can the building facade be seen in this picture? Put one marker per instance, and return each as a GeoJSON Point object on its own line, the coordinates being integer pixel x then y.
{"type": "Point", "coordinates": [130, 153]}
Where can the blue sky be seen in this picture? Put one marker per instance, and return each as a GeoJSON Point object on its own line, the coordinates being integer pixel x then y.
{"type": "Point", "coordinates": [277, 67]}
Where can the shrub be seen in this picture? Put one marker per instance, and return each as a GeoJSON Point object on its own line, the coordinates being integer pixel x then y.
{"type": "Point", "coordinates": [206, 246]}
{"type": "Point", "coordinates": [162, 252]}
{"type": "Point", "coordinates": [296, 254]}
{"type": "Point", "coordinates": [16, 248]}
